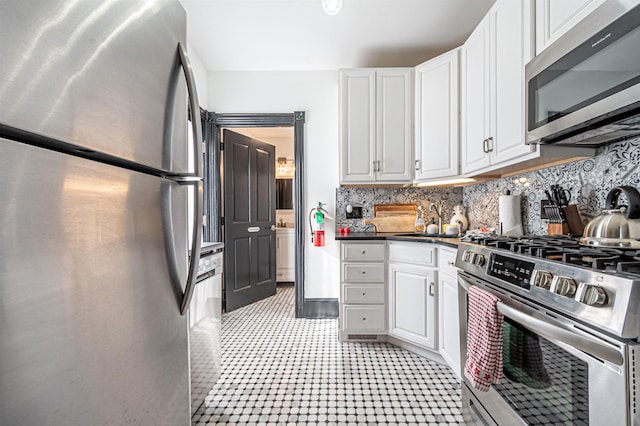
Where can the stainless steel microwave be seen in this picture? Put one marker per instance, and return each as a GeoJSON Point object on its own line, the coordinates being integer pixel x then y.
{"type": "Point", "coordinates": [584, 89]}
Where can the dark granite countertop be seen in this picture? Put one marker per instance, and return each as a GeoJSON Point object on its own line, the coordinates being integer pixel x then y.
{"type": "Point", "coordinates": [399, 236]}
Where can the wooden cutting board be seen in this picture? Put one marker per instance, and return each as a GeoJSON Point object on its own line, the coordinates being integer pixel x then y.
{"type": "Point", "coordinates": [386, 209]}
{"type": "Point", "coordinates": [392, 217]}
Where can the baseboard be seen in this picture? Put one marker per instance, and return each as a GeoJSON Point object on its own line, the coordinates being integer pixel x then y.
{"type": "Point", "coordinates": [320, 308]}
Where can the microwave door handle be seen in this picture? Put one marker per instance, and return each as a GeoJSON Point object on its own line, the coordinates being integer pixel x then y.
{"type": "Point", "coordinates": [192, 179]}
{"type": "Point", "coordinates": [590, 345]}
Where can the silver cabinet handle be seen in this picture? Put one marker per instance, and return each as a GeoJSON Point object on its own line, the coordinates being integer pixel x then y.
{"type": "Point", "coordinates": [417, 164]}
{"type": "Point", "coordinates": [485, 146]}
{"type": "Point", "coordinates": [196, 178]}
{"type": "Point", "coordinates": [431, 289]}
{"type": "Point", "coordinates": [490, 144]}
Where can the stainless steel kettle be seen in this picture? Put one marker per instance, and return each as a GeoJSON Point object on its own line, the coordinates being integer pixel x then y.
{"type": "Point", "coordinates": [617, 226]}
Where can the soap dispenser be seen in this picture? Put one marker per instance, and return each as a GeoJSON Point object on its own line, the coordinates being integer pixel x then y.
{"type": "Point", "coordinates": [432, 229]}
{"type": "Point", "coordinates": [419, 226]}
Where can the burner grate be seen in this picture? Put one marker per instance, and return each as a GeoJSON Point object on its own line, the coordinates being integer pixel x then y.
{"type": "Point", "coordinates": [568, 250]}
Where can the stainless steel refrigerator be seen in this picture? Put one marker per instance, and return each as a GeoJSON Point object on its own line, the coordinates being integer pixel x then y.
{"type": "Point", "coordinates": [94, 272]}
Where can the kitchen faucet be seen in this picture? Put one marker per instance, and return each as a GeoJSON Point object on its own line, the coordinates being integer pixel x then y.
{"type": "Point", "coordinates": [438, 209]}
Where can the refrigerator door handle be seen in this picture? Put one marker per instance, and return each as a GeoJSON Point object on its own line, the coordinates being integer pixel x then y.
{"type": "Point", "coordinates": [195, 179]}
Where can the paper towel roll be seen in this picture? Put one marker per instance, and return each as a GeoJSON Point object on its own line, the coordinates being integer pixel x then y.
{"type": "Point", "coordinates": [510, 215]}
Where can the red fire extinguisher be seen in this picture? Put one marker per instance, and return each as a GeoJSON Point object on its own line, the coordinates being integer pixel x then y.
{"type": "Point", "coordinates": [316, 223]}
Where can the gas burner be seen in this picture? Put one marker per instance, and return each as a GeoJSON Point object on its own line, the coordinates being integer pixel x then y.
{"type": "Point", "coordinates": [566, 249]}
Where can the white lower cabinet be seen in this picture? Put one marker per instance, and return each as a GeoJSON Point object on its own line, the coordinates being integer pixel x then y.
{"type": "Point", "coordinates": [448, 316]}
{"type": "Point", "coordinates": [412, 293]}
{"type": "Point", "coordinates": [285, 254]}
{"type": "Point", "coordinates": [405, 290]}
{"type": "Point", "coordinates": [362, 290]}
{"type": "Point", "coordinates": [363, 318]}
{"type": "Point", "coordinates": [412, 304]}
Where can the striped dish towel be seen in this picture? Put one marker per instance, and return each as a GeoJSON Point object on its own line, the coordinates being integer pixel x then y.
{"type": "Point", "coordinates": [484, 340]}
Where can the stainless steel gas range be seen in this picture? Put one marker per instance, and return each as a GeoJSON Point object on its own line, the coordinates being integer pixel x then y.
{"type": "Point", "coordinates": [570, 332]}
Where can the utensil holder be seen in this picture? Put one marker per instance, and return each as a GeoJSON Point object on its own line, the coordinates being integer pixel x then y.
{"type": "Point", "coordinates": [554, 213]}
{"type": "Point", "coordinates": [557, 229]}
{"type": "Point", "coordinates": [576, 227]}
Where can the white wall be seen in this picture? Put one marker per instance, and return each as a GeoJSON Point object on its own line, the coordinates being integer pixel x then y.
{"type": "Point", "coordinates": [316, 93]}
{"type": "Point", "coordinates": [200, 74]}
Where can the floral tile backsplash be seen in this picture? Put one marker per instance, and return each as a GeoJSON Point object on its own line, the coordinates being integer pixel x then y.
{"type": "Point", "coordinates": [367, 197]}
{"type": "Point", "coordinates": [588, 181]}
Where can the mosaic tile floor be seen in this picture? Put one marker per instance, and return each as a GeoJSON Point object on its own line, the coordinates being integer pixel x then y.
{"type": "Point", "coordinates": [277, 369]}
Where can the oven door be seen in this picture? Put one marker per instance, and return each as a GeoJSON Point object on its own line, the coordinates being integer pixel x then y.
{"type": "Point", "coordinates": [554, 371]}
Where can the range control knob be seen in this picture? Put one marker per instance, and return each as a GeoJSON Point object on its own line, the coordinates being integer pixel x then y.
{"type": "Point", "coordinates": [467, 256]}
{"type": "Point", "coordinates": [542, 279]}
{"type": "Point", "coordinates": [564, 286]}
{"type": "Point", "coordinates": [592, 295]}
{"type": "Point", "coordinates": [478, 259]}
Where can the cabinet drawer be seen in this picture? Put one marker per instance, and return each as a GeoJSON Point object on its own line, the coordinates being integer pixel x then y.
{"type": "Point", "coordinates": [363, 272]}
{"type": "Point", "coordinates": [358, 293]}
{"type": "Point", "coordinates": [353, 252]}
{"type": "Point", "coordinates": [363, 318]}
{"type": "Point", "coordinates": [416, 253]}
{"type": "Point", "coordinates": [447, 261]}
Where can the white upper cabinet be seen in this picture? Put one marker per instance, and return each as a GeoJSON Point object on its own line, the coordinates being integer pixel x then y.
{"type": "Point", "coordinates": [493, 60]}
{"type": "Point", "coordinates": [512, 49]}
{"type": "Point", "coordinates": [376, 125]}
{"type": "Point", "coordinates": [475, 98]}
{"type": "Point", "coordinates": [437, 118]}
{"type": "Point", "coordinates": [554, 18]}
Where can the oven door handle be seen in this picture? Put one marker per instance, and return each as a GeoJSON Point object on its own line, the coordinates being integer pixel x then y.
{"type": "Point", "coordinates": [587, 344]}
{"type": "Point", "coordinates": [590, 345]}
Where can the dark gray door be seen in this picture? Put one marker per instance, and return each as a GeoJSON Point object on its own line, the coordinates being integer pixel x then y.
{"type": "Point", "coordinates": [249, 220]}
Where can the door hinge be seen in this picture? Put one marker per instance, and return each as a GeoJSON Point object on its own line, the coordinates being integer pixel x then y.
{"type": "Point", "coordinates": [222, 221]}
{"type": "Point", "coordinates": [204, 147]}
{"type": "Point", "coordinates": [221, 146]}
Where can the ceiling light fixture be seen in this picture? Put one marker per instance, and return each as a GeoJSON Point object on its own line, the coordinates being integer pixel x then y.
{"type": "Point", "coordinates": [332, 7]}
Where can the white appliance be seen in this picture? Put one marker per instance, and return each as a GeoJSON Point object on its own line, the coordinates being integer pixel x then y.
{"type": "Point", "coordinates": [95, 279]}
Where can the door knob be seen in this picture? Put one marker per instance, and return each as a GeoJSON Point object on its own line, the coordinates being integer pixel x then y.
{"type": "Point", "coordinates": [273, 228]}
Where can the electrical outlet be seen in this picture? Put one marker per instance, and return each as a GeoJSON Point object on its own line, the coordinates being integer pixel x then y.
{"type": "Point", "coordinates": [356, 213]}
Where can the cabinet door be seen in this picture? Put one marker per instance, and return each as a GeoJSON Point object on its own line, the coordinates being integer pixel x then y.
{"type": "Point", "coordinates": [285, 255]}
{"type": "Point", "coordinates": [358, 126]}
{"type": "Point", "coordinates": [511, 50]}
{"type": "Point", "coordinates": [394, 131]}
{"type": "Point", "coordinates": [412, 305]}
{"type": "Point", "coordinates": [475, 98]}
{"type": "Point", "coordinates": [437, 140]}
{"type": "Point", "coordinates": [448, 321]}
{"type": "Point", "coordinates": [554, 18]}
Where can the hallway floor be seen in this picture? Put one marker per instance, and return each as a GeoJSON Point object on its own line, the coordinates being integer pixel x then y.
{"type": "Point", "coordinates": [277, 369]}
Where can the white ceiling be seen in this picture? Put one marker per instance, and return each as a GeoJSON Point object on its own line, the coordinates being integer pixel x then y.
{"type": "Point", "coordinates": [255, 35]}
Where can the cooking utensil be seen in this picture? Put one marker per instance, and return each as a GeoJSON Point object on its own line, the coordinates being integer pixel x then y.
{"type": "Point", "coordinates": [561, 196]}
{"type": "Point", "coordinates": [618, 225]}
